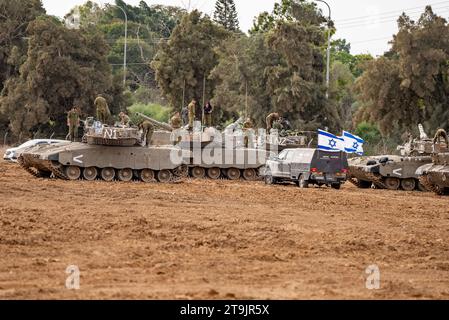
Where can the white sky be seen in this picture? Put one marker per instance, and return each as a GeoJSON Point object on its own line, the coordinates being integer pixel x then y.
{"type": "Point", "coordinates": [367, 25]}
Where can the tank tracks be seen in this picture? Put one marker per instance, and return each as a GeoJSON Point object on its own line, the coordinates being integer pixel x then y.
{"type": "Point", "coordinates": [424, 180]}
{"type": "Point", "coordinates": [375, 179]}
{"type": "Point", "coordinates": [57, 171]}
{"type": "Point", "coordinates": [32, 171]}
{"type": "Point", "coordinates": [355, 182]}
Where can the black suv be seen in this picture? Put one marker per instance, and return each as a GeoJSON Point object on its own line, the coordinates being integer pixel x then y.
{"type": "Point", "coordinates": [308, 166]}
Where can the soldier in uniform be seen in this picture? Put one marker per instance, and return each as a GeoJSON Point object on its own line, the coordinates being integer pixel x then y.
{"type": "Point", "coordinates": [208, 109]}
{"type": "Point", "coordinates": [73, 122]}
{"type": "Point", "coordinates": [192, 110]}
{"type": "Point", "coordinates": [271, 118]}
{"type": "Point", "coordinates": [103, 112]}
{"type": "Point", "coordinates": [247, 126]}
{"type": "Point", "coordinates": [148, 130]}
{"type": "Point", "coordinates": [124, 119]}
{"type": "Point", "coordinates": [176, 121]}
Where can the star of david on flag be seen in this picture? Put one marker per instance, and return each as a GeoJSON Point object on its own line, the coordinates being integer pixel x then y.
{"type": "Point", "coordinates": [330, 142]}
{"type": "Point", "coordinates": [353, 143]}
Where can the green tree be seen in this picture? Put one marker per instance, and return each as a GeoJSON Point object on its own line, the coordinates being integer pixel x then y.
{"type": "Point", "coordinates": [241, 78]}
{"type": "Point", "coordinates": [64, 68]}
{"type": "Point", "coordinates": [226, 15]}
{"type": "Point", "coordinates": [188, 58]}
{"type": "Point", "coordinates": [409, 85]}
{"type": "Point", "coordinates": [14, 20]}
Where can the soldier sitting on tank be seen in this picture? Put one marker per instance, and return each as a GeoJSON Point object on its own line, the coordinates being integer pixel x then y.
{"type": "Point", "coordinates": [103, 112]}
{"type": "Point", "coordinates": [148, 130]}
{"type": "Point", "coordinates": [125, 120]}
{"type": "Point", "coordinates": [175, 121]}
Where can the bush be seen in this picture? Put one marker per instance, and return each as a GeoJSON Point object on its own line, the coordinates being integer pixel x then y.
{"type": "Point", "coordinates": [152, 110]}
{"type": "Point", "coordinates": [375, 144]}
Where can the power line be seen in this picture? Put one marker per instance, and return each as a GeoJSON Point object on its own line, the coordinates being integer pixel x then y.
{"type": "Point", "coordinates": [392, 12]}
{"type": "Point", "coordinates": [374, 21]}
{"type": "Point", "coordinates": [371, 40]}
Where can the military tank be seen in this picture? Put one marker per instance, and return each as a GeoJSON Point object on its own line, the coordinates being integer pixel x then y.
{"type": "Point", "coordinates": [435, 176]}
{"type": "Point", "coordinates": [393, 172]}
{"type": "Point", "coordinates": [109, 153]}
{"type": "Point", "coordinates": [216, 155]}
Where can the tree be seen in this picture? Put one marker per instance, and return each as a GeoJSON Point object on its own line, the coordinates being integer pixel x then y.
{"type": "Point", "coordinates": [14, 20]}
{"type": "Point", "coordinates": [187, 58]}
{"type": "Point", "coordinates": [409, 84]}
{"type": "Point", "coordinates": [64, 68]}
{"type": "Point", "coordinates": [226, 15]}
{"type": "Point", "coordinates": [241, 71]}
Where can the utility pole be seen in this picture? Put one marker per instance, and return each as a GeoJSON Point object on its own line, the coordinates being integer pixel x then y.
{"type": "Point", "coordinates": [204, 98]}
{"type": "Point", "coordinates": [328, 49]}
{"type": "Point", "coordinates": [246, 99]}
{"type": "Point", "coordinates": [126, 44]}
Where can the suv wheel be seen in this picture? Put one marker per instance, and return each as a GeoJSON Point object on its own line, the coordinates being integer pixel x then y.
{"type": "Point", "coordinates": [269, 177]}
{"type": "Point", "coordinates": [302, 182]}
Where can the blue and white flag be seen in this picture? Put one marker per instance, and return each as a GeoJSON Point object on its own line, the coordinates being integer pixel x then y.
{"type": "Point", "coordinates": [329, 142]}
{"type": "Point", "coordinates": [353, 144]}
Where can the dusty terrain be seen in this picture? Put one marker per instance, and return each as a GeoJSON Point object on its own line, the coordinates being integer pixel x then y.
{"type": "Point", "coordinates": [217, 240]}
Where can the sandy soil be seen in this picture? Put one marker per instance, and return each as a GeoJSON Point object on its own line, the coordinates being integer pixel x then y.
{"type": "Point", "coordinates": [217, 240]}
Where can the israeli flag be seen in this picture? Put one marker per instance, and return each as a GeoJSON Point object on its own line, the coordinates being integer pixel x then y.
{"type": "Point", "coordinates": [329, 142]}
{"type": "Point", "coordinates": [353, 144]}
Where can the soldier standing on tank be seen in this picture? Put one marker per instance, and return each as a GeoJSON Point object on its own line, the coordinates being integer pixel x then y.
{"type": "Point", "coordinates": [192, 109]}
{"type": "Point", "coordinates": [247, 127]}
{"type": "Point", "coordinates": [73, 122]}
{"type": "Point", "coordinates": [103, 113]}
{"type": "Point", "coordinates": [124, 119]}
{"type": "Point", "coordinates": [271, 118]}
{"type": "Point", "coordinates": [148, 130]}
{"type": "Point", "coordinates": [208, 109]}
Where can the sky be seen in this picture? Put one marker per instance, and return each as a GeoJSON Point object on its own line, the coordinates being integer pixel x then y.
{"type": "Point", "coordinates": [367, 25]}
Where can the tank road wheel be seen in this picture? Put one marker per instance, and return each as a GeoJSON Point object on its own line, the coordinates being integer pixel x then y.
{"type": "Point", "coordinates": [90, 174]}
{"type": "Point", "coordinates": [214, 173]}
{"type": "Point", "coordinates": [164, 176]}
{"type": "Point", "coordinates": [73, 172]}
{"type": "Point", "coordinates": [408, 184]}
{"type": "Point", "coordinates": [392, 183]}
{"type": "Point", "coordinates": [249, 174]}
{"type": "Point", "coordinates": [233, 174]}
{"type": "Point", "coordinates": [108, 174]}
{"type": "Point", "coordinates": [198, 173]}
{"type": "Point", "coordinates": [125, 175]}
{"type": "Point", "coordinates": [147, 175]}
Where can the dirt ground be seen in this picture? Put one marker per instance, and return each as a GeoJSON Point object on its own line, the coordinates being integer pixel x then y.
{"type": "Point", "coordinates": [217, 240]}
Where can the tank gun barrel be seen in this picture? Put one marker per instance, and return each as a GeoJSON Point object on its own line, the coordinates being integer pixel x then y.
{"type": "Point", "coordinates": [158, 124]}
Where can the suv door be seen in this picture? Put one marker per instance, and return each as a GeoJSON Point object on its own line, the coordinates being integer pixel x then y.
{"type": "Point", "coordinates": [285, 164]}
{"type": "Point", "coordinates": [280, 163]}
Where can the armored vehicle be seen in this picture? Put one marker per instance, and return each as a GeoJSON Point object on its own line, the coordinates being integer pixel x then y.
{"type": "Point", "coordinates": [109, 153]}
{"type": "Point", "coordinates": [393, 172]}
{"type": "Point", "coordinates": [218, 155]}
{"type": "Point", "coordinates": [307, 166]}
{"type": "Point", "coordinates": [435, 176]}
